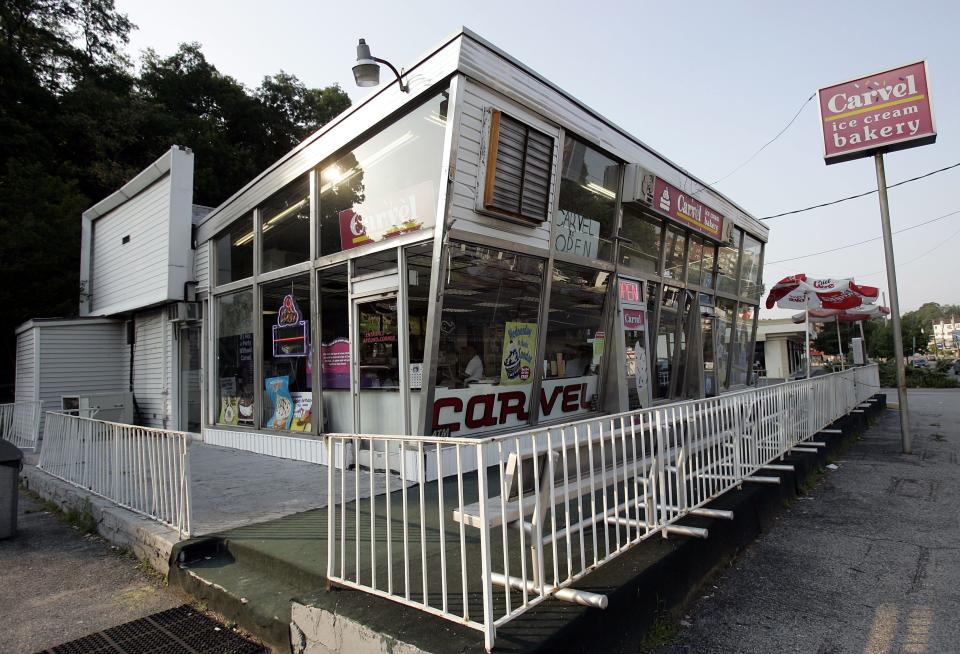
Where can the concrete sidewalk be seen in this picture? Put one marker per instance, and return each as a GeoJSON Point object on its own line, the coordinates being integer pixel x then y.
{"type": "Point", "coordinates": [868, 562]}
{"type": "Point", "coordinates": [60, 584]}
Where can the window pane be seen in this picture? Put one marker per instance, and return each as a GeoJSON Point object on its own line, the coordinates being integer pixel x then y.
{"type": "Point", "coordinates": [235, 251]}
{"type": "Point", "coordinates": [727, 264]}
{"type": "Point", "coordinates": [419, 269]}
{"type": "Point", "coordinates": [488, 339]}
{"type": "Point", "coordinates": [588, 189]}
{"type": "Point", "coordinates": [738, 375]}
{"type": "Point", "coordinates": [643, 250]}
{"type": "Point", "coordinates": [666, 344]}
{"type": "Point", "coordinates": [334, 312]}
{"type": "Point", "coordinates": [695, 261]}
{"type": "Point", "coordinates": [750, 285]}
{"type": "Point", "coordinates": [386, 186]}
{"type": "Point", "coordinates": [674, 245]}
{"type": "Point", "coordinates": [287, 394]}
{"type": "Point", "coordinates": [285, 226]}
{"type": "Point", "coordinates": [235, 381]}
{"type": "Point", "coordinates": [575, 339]}
{"type": "Point", "coordinates": [724, 311]}
{"type": "Point", "coordinates": [709, 259]}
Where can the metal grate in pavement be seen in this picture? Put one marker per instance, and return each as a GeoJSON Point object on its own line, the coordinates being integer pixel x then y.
{"type": "Point", "coordinates": [181, 630]}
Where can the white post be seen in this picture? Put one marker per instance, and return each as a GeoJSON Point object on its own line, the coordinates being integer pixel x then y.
{"type": "Point", "coordinates": [806, 337]}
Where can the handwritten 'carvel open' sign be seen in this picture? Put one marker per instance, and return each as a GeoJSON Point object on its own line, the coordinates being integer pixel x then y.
{"type": "Point", "coordinates": [290, 334]}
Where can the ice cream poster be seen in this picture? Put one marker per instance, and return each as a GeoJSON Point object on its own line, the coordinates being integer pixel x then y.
{"type": "Point", "coordinates": [519, 352]}
{"type": "Point", "coordinates": [278, 394]}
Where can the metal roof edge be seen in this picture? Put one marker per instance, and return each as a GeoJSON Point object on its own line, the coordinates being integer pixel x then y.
{"type": "Point", "coordinates": [144, 178]}
{"type": "Point", "coordinates": [596, 114]}
{"type": "Point", "coordinates": [336, 120]}
{"type": "Point", "coordinates": [55, 322]}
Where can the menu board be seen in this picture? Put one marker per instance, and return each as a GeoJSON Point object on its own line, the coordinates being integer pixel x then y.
{"type": "Point", "coordinates": [335, 363]}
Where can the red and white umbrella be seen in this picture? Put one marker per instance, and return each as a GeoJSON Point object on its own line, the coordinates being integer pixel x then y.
{"type": "Point", "coordinates": [829, 315]}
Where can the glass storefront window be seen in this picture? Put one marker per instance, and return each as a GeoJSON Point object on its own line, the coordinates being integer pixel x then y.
{"type": "Point", "coordinates": [695, 260]}
{"type": "Point", "coordinates": [575, 338]}
{"type": "Point", "coordinates": [724, 310]}
{"type": "Point", "coordinates": [674, 245]}
{"type": "Point", "coordinates": [419, 268]}
{"type": "Point", "coordinates": [709, 259]}
{"type": "Point", "coordinates": [488, 339]}
{"type": "Point", "coordinates": [666, 343]}
{"type": "Point", "coordinates": [740, 360]}
{"type": "Point", "coordinates": [642, 252]}
{"type": "Point", "coordinates": [334, 331]}
{"type": "Point", "coordinates": [285, 226]}
{"type": "Point", "coordinates": [287, 386]}
{"type": "Point", "coordinates": [586, 219]}
{"type": "Point", "coordinates": [727, 264]}
{"type": "Point", "coordinates": [387, 185]}
{"type": "Point", "coordinates": [234, 252]}
{"type": "Point", "coordinates": [750, 274]}
{"type": "Point", "coordinates": [236, 385]}
{"type": "Point", "coordinates": [635, 323]}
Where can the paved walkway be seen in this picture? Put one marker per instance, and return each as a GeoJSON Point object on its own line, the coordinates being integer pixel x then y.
{"type": "Point", "coordinates": [58, 584]}
{"type": "Point", "coordinates": [231, 488]}
{"type": "Point", "coordinates": [868, 563]}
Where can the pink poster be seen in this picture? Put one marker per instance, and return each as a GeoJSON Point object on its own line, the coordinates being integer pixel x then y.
{"type": "Point", "coordinates": [335, 363]}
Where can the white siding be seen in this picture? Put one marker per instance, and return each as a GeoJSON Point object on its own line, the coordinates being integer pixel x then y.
{"type": "Point", "coordinates": [201, 266]}
{"type": "Point", "coordinates": [81, 358]}
{"type": "Point", "coordinates": [25, 389]}
{"type": "Point", "coordinates": [472, 146]}
{"type": "Point", "coordinates": [124, 276]}
{"type": "Point", "coordinates": [152, 363]}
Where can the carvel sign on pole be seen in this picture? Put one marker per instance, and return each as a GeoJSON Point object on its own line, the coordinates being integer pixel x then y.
{"type": "Point", "coordinates": [889, 110]}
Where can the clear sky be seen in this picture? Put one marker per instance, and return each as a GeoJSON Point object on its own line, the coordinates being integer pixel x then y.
{"type": "Point", "coordinates": [704, 83]}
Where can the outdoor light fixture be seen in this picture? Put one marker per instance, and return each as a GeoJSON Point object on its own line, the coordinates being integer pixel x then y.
{"type": "Point", "coordinates": [367, 70]}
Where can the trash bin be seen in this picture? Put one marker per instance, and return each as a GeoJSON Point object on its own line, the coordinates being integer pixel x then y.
{"type": "Point", "coordinates": [11, 463]}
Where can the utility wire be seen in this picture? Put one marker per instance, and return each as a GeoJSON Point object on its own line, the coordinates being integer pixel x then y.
{"type": "Point", "coordinates": [915, 259]}
{"type": "Point", "coordinates": [869, 240]}
{"type": "Point", "coordinates": [764, 146]}
{"type": "Point", "coordinates": [859, 195]}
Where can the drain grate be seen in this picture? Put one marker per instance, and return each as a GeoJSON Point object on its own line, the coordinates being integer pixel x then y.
{"type": "Point", "coordinates": [182, 630]}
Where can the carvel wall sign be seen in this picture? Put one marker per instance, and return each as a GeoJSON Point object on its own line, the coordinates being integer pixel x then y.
{"type": "Point", "coordinates": [888, 111]}
{"type": "Point", "coordinates": [682, 208]}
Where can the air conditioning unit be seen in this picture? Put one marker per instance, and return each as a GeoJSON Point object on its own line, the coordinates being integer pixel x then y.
{"type": "Point", "coordinates": [183, 312]}
{"type": "Point", "coordinates": [638, 184]}
{"type": "Point", "coordinates": [113, 407]}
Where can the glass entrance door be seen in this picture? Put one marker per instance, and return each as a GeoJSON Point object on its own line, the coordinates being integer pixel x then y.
{"type": "Point", "coordinates": [189, 378]}
{"type": "Point", "coordinates": [377, 380]}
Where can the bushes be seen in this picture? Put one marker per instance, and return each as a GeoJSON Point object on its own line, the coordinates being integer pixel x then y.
{"type": "Point", "coordinates": [916, 377]}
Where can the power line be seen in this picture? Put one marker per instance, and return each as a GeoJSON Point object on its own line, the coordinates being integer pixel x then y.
{"type": "Point", "coordinates": [869, 240]}
{"type": "Point", "coordinates": [764, 146]}
{"type": "Point", "coordinates": [915, 259]}
{"type": "Point", "coordinates": [859, 195]}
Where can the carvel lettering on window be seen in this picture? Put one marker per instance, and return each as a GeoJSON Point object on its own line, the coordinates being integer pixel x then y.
{"type": "Point", "coordinates": [468, 410]}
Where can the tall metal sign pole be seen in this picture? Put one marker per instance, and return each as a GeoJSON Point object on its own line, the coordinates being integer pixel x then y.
{"type": "Point", "coordinates": [905, 437]}
{"type": "Point", "coordinates": [869, 116]}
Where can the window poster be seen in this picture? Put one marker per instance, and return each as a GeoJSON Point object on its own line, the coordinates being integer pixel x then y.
{"type": "Point", "coordinates": [302, 411]}
{"type": "Point", "coordinates": [519, 349]}
{"type": "Point", "coordinates": [335, 363]}
{"type": "Point", "coordinates": [278, 393]}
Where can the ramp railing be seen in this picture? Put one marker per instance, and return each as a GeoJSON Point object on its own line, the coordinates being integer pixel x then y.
{"type": "Point", "coordinates": [142, 469]}
{"type": "Point", "coordinates": [20, 423]}
{"type": "Point", "coordinates": [494, 526]}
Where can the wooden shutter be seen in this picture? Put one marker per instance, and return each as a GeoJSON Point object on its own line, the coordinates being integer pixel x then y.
{"type": "Point", "coordinates": [519, 168]}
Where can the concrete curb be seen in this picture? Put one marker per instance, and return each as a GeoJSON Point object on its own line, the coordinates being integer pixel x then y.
{"type": "Point", "coordinates": [147, 539]}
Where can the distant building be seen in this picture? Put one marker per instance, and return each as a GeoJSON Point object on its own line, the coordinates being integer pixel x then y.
{"type": "Point", "coordinates": [946, 335]}
{"type": "Point", "coordinates": [780, 344]}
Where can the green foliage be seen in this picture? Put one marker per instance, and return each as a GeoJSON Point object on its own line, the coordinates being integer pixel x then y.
{"type": "Point", "coordinates": [916, 377]}
{"type": "Point", "coordinates": [77, 122]}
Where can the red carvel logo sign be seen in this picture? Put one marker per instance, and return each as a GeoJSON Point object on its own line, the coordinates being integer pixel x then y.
{"type": "Point", "coordinates": [682, 208]}
{"type": "Point", "coordinates": [887, 111]}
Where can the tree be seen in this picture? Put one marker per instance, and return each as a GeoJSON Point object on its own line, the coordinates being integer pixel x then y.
{"type": "Point", "coordinates": [76, 123]}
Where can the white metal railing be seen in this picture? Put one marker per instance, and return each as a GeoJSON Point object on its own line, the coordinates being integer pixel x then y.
{"type": "Point", "coordinates": [497, 525]}
{"type": "Point", "coordinates": [142, 469]}
{"type": "Point", "coordinates": [20, 423]}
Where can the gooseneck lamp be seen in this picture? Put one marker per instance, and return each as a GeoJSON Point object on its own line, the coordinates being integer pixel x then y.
{"type": "Point", "coordinates": [366, 72]}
